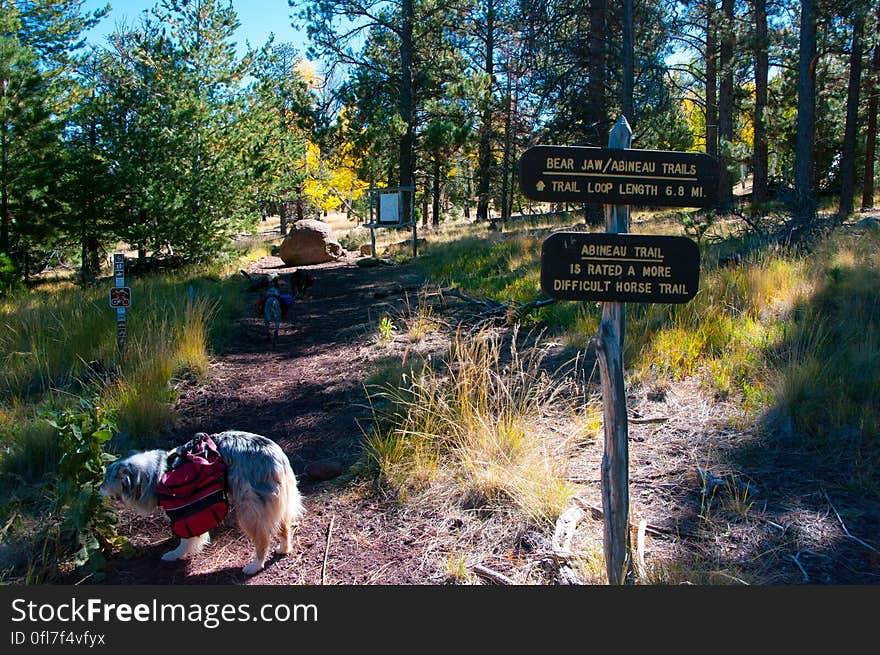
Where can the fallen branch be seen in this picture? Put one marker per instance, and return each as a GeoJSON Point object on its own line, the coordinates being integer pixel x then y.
{"type": "Point", "coordinates": [710, 481]}
{"type": "Point", "coordinates": [642, 570]}
{"type": "Point", "coordinates": [516, 314]}
{"type": "Point", "coordinates": [648, 419]}
{"type": "Point", "coordinates": [748, 221]}
{"type": "Point", "coordinates": [458, 293]}
{"type": "Point", "coordinates": [327, 551]}
{"type": "Point", "coordinates": [797, 561]}
{"type": "Point", "coordinates": [493, 311]}
{"type": "Point", "coordinates": [491, 575]}
{"type": "Point", "coordinates": [566, 525]}
{"type": "Point", "coordinates": [598, 513]}
{"type": "Point", "coordinates": [6, 526]}
{"type": "Point", "coordinates": [796, 558]}
{"type": "Point", "coordinates": [845, 530]}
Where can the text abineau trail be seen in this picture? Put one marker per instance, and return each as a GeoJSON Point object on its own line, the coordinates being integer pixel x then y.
{"type": "Point", "coordinates": [618, 177]}
{"type": "Point", "coordinates": [620, 267]}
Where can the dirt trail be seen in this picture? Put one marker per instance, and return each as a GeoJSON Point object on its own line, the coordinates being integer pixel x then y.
{"type": "Point", "coordinates": [307, 394]}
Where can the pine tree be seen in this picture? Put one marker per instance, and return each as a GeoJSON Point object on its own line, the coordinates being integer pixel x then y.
{"type": "Point", "coordinates": [282, 118]}
{"type": "Point", "coordinates": [39, 43]}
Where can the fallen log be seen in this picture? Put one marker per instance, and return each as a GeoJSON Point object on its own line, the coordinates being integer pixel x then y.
{"type": "Point", "coordinates": [709, 481]}
{"type": "Point", "coordinates": [598, 514]}
{"type": "Point", "coordinates": [491, 575]}
{"type": "Point", "coordinates": [566, 525]}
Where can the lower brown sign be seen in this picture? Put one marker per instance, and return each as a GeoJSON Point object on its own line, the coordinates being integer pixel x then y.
{"type": "Point", "coordinates": [637, 268]}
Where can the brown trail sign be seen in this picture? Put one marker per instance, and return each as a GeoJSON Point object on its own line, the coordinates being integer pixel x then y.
{"type": "Point", "coordinates": [619, 267]}
{"type": "Point", "coordinates": [654, 178]}
{"type": "Point", "coordinates": [616, 268]}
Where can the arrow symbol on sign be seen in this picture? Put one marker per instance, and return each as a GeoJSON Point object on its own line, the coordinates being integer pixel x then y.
{"type": "Point", "coordinates": [540, 185]}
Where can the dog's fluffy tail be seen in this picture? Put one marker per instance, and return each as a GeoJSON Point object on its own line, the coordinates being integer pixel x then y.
{"type": "Point", "coordinates": [293, 507]}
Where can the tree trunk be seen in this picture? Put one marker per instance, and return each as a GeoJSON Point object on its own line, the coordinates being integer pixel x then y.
{"type": "Point", "coordinates": [506, 172]}
{"type": "Point", "coordinates": [711, 81]}
{"type": "Point", "coordinates": [407, 101]}
{"type": "Point", "coordinates": [597, 113]}
{"type": "Point", "coordinates": [805, 209]}
{"type": "Point", "coordinates": [435, 206]}
{"type": "Point", "coordinates": [469, 189]}
{"type": "Point", "coordinates": [871, 139]}
{"type": "Point", "coordinates": [94, 256]}
{"type": "Point", "coordinates": [511, 190]}
{"type": "Point", "coordinates": [5, 217]}
{"type": "Point", "coordinates": [282, 212]}
{"type": "Point", "coordinates": [762, 66]}
{"type": "Point", "coordinates": [628, 47]}
{"type": "Point", "coordinates": [848, 156]}
{"type": "Point", "coordinates": [725, 104]}
{"type": "Point", "coordinates": [88, 273]}
{"type": "Point", "coordinates": [485, 150]}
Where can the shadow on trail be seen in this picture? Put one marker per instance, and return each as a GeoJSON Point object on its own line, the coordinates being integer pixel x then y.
{"type": "Point", "coordinates": [814, 455]}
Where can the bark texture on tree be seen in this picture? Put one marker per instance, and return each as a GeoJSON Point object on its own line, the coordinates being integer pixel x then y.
{"type": "Point", "coordinates": [485, 149]}
{"type": "Point", "coordinates": [871, 137]}
{"type": "Point", "coordinates": [762, 68]}
{"type": "Point", "coordinates": [711, 80]}
{"type": "Point", "coordinates": [406, 100]}
{"type": "Point", "coordinates": [805, 209]}
{"type": "Point", "coordinates": [848, 155]}
{"type": "Point", "coordinates": [725, 103]}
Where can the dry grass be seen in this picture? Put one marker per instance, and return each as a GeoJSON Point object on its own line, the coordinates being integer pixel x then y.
{"type": "Point", "coordinates": [466, 439]}
{"type": "Point", "coordinates": [788, 335]}
{"type": "Point", "coordinates": [61, 343]}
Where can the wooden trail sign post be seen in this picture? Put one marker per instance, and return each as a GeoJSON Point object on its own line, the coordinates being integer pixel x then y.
{"type": "Point", "coordinates": [120, 300]}
{"type": "Point", "coordinates": [616, 268]}
{"type": "Point", "coordinates": [393, 208]}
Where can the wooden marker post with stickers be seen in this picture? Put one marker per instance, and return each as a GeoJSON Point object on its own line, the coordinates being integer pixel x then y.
{"type": "Point", "coordinates": [120, 300]}
{"type": "Point", "coordinates": [615, 268]}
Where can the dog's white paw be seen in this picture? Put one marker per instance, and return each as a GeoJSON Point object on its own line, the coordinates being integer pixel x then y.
{"type": "Point", "coordinates": [172, 555]}
{"type": "Point", "coordinates": [283, 549]}
{"type": "Point", "coordinates": [252, 568]}
{"type": "Point", "coordinates": [187, 547]}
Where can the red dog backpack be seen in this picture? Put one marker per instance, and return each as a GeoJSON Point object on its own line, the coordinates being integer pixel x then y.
{"type": "Point", "coordinates": [193, 489]}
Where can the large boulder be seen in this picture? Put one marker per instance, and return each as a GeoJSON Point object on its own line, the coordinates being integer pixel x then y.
{"type": "Point", "coordinates": [310, 242]}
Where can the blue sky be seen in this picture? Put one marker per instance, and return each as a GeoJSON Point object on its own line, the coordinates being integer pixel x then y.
{"type": "Point", "coordinates": [258, 19]}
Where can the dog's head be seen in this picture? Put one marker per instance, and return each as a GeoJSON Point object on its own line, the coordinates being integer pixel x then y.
{"type": "Point", "coordinates": [132, 481]}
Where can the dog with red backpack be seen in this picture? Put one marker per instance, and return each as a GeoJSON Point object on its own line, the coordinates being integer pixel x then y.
{"type": "Point", "coordinates": [195, 484]}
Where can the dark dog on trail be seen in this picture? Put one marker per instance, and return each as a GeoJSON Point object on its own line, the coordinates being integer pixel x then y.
{"type": "Point", "coordinates": [272, 308]}
{"type": "Point", "coordinates": [300, 281]}
{"type": "Point", "coordinates": [272, 313]}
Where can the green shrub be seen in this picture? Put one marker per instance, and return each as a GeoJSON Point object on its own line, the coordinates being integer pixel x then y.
{"type": "Point", "coordinates": [80, 526]}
